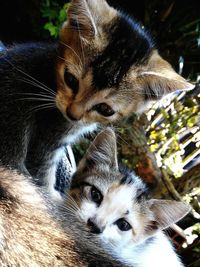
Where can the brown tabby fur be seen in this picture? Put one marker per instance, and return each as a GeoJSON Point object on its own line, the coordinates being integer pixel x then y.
{"type": "Point", "coordinates": [34, 233]}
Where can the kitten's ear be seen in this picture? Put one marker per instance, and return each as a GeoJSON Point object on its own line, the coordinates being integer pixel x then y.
{"type": "Point", "coordinates": [102, 152]}
{"type": "Point", "coordinates": [158, 78]}
{"type": "Point", "coordinates": [85, 16]}
{"type": "Point", "coordinates": [167, 212]}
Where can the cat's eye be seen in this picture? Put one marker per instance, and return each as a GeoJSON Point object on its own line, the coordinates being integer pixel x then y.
{"type": "Point", "coordinates": [95, 195]}
{"type": "Point", "coordinates": [104, 109]}
{"type": "Point", "coordinates": [123, 225]}
{"type": "Point", "coordinates": [71, 81]}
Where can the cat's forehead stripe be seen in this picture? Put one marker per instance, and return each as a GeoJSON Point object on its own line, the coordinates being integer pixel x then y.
{"type": "Point", "coordinates": [128, 45]}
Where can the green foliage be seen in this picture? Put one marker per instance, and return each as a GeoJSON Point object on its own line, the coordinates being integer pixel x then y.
{"type": "Point", "coordinates": [168, 126]}
{"type": "Point", "coordinates": [55, 15]}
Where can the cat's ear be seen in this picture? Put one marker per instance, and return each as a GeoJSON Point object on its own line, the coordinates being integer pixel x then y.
{"type": "Point", "coordinates": [101, 153]}
{"type": "Point", "coordinates": [87, 16]}
{"type": "Point", "coordinates": [158, 78]}
{"type": "Point", "coordinates": [166, 212]}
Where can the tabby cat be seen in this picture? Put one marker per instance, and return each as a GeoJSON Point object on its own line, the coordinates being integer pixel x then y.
{"type": "Point", "coordinates": [34, 233]}
{"type": "Point", "coordinates": [104, 67]}
{"type": "Point", "coordinates": [115, 206]}
{"type": "Point", "coordinates": [106, 220]}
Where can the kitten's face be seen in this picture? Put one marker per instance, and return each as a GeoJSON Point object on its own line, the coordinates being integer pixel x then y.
{"type": "Point", "coordinates": [112, 203]}
{"type": "Point", "coordinates": [108, 66]}
{"type": "Point", "coordinates": [115, 210]}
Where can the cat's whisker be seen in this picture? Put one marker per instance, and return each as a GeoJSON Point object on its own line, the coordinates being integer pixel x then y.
{"type": "Point", "coordinates": [122, 139]}
{"type": "Point", "coordinates": [80, 37]}
{"type": "Point", "coordinates": [73, 209]}
{"type": "Point", "coordinates": [37, 85]}
{"type": "Point", "coordinates": [67, 210]}
{"type": "Point", "coordinates": [69, 62]}
{"type": "Point", "coordinates": [69, 197]}
{"type": "Point", "coordinates": [41, 107]}
{"type": "Point", "coordinates": [37, 94]}
{"type": "Point", "coordinates": [117, 134]}
{"type": "Point", "coordinates": [29, 76]}
{"type": "Point", "coordinates": [75, 66]}
{"type": "Point", "coordinates": [35, 99]}
{"type": "Point", "coordinates": [70, 207]}
{"type": "Point", "coordinates": [73, 52]}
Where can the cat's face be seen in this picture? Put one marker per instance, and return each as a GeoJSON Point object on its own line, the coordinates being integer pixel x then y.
{"type": "Point", "coordinates": [108, 66]}
{"type": "Point", "coordinates": [114, 210]}
{"type": "Point", "coordinates": [114, 204]}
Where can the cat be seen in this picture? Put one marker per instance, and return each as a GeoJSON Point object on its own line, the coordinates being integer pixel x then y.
{"type": "Point", "coordinates": [104, 67]}
{"type": "Point", "coordinates": [35, 232]}
{"type": "Point", "coordinates": [115, 205]}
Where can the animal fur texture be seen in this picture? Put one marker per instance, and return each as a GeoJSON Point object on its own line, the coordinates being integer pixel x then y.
{"type": "Point", "coordinates": [115, 205]}
{"type": "Point", "coordinates": [35, 232]}
{"type": "Point", "coordinates": [104, 67]}
{"type": "Point", "coordinates": [105, 220]}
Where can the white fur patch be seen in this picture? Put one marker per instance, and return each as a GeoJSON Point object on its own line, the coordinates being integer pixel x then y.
{"type": "Point", "coordinates": [73, 135]}
{"type": "Point", "coordinates": [76, 133]}
{"type": "Point", "coordinates": [158, 253]}
{"type": "Point", "coordinates": [50, 178]}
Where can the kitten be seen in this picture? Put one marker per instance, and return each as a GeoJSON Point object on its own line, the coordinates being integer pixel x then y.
{"type": "Point", "coordinates": [115, 206]}
{"type": "Point", "coordinates": [34, 232]}
{"type": "Point", "coordinates": [85, 230]}
{"type": "Point", "coordinates": [104, 67]}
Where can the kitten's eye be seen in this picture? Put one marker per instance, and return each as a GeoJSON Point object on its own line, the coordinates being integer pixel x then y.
{"type": "Point", "coordinates": [71, 81]}
{"type": "Point", "coordinates": [123, 225]}
{"type": "Point", "coordinates": [96, 196]}
{"type": "Point", "coordinates": [104, 109]}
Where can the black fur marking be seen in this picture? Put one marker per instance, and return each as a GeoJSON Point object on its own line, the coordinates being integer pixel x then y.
{"type": "Point", "coordinates": [128, 45]}
{"type": "Point", "coordinates": [126, 180]}
{"type": "Point", "coordinates": [142, 194]}
{"type": "Point", "coordinates": [6, 196]}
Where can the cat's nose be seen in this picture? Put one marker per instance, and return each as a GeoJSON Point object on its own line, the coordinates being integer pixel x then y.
{"type": "Point", "coordinates": [70, 116]}
{"type": "Point", "coordinates": [93, 227]}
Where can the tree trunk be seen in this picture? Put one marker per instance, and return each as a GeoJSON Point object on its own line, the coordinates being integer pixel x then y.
{"type": "Point", "coordinates": [134, 151]}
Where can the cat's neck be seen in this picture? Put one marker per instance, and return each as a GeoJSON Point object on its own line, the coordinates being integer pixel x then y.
{"type": "Point", "coordinates": [155, 251]}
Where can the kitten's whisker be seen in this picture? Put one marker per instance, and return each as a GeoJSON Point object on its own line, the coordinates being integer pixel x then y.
{"type": "Point", "coordinates": [36, 99]}
{"type": "Point", "coordinates": [80, 37]}
{"type": "Point", "coordinates": [27, 75]}
{"type": "Point", "coordinates": [72, 200]}
{"type": "Point", "coordinates": [37, 85]}
{"type": "Point", "coordinates": [67, 61]}
{"type": "Point", "coordinates": [75, 66]}
{"type": "Point", "coordinates": [37, 94]}
{"type": "Point", "coordinates": [41, 107]}
{"type": "Point", "coordinates": [72, 51]}
{"type": "Point", "coordinates": [123, 140]}
{"type": "Point", "coordinates": [68, 210]}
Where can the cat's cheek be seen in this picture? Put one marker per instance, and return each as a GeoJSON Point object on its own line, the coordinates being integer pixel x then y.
{"type": "Point", "coordinates": [87, 210]}
{"type": "Point", "coordinates": [62, 102]}
{"type": "Point", "coordinates": [111, 234]}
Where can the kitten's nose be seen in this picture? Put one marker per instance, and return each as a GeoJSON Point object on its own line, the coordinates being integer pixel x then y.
{"type": "Point", "coordinates": [93, 227]}
{"type": "Point", "coordinates": [70, 116]}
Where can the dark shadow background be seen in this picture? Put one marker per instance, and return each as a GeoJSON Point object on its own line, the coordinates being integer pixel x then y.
{"type": "Point", "coordinates": [173, 24]}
